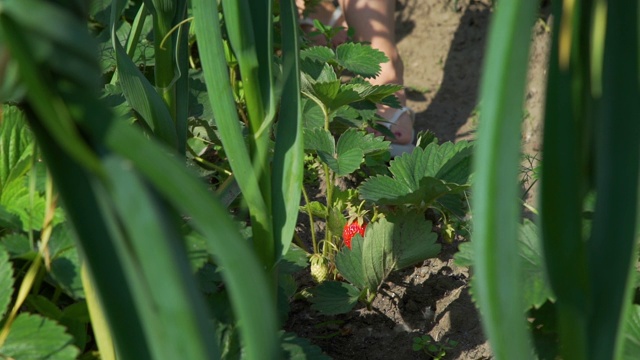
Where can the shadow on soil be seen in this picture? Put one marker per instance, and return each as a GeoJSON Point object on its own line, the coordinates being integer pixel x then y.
{"type": "Point", "coordinates": [456, 98]}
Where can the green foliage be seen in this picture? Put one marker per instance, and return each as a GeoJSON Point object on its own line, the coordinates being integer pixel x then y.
{"type": "Point", "coordinates": [423, 176]}
{"type": "Point", "coordinates": [387, 245]}
{"type": "Point", "coordinates": [590, 147]}
{"type": "Point", "coordinates": [429, 346]}
{"type": "Point", "coordinates": [348, 154]}
{"type": "Point", "coordinates": [35, 337]}
{"type": "Point", "coordinates": [536, 286]}
{"type": "Point", "coordinates": [6, 281]}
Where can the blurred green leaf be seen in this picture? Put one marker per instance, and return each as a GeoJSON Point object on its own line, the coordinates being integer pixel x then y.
{"type": "Point", "coordinates": [301, 349]}
{"type": "Point", "coordinates": [18, 246]}
{"type": "Point", "coordinates": [318, 209]}
{"type": "Point", "coordinates": [43, 306]}
{"type": "Point", "coordinates": [332, 297]}
{"type": "Point", "coordinates": [6, 281]}
{"type": "Point", "coordinates": [537, 289]}
{"type": "Point", "coordinates": [632, 334]}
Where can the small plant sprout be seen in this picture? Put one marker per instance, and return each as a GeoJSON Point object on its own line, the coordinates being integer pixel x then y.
{"type": "Point", "coordinates": [432, 348]}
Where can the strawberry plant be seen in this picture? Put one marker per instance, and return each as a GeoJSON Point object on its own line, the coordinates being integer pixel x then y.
{"type": "Point", "coordinates": [402, 240]}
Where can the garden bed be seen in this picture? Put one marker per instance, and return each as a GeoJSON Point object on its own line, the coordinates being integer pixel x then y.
{"type": "Point", "coordinates": [441, 43]}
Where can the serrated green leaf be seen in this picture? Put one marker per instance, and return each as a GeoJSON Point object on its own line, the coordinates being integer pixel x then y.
{"type": "Point", "coordinates": [65, 270]}
{"type": "Point", "coordinates": [326, 92]}
{"type": "Point", "coordinates": [349, 263]}
{"type": "Point", "coordinates": [313, 71]}
{"type": "Point", "coordinates": [318, 209]}
{"type": "Point", "coordinates": [16, 145]}
{"type": "Point", "coordinates": [360, 59]}
{"type": "Point", "coordinates": [345, 162]}
{"type": "Point", "coordinates": [75, 318]}
{"type": "Point", "coordinates": [414, 238]}
{"type": "Point", "coordinates": [300, 349]}
{"type": "Point", "coordinates": [536, 287]}
{"type": "Point", "coordinates": [372, 93]}
{"type": "Point", "coordinates": [319, 140]}
{"type": "Point", "coordinates": [35, 337]}
{"type": "Point", "coordinates": [386, 191]}
{"type": "Point", "coordinates": [288, 287]}
{"type": "Point", "coordinates": [43, 306]}
{"type": "Point", "coordinates": [632, 334]}
{"type": "Point", "coordinates": [320, 54]}
{"type": "Point", "coordinates": [6, 281]}
{"type": "Point", "coordinates": [18, 246]}
{"type": "Point", "coordinates": [379, 253]}
{"type": "Point", "coordinates": [65, 262]}
{"type": "Point", "coordinates": [312, 117]}
{"type": "Point", "coordinates": [60, 240]}
{"type": "Point", "coordinates": [415, 176]}
{"type": "Point", "coordinates": [335, 220]}
{"type": "Point", "coordinates": [9, 220]}
{"type": "Point", "coordinates": [367, 142]}
{"type": "Point", "coordinates": [332, 297]}
{"type": "Point", "coordinates": [343, 97]}
{"type": "Point", "coordinates": [457, 168]}
{"type": "Point", "coordinates": [464, 256]}
{"type": "Point", "coordinates": [16, 199]}
{"type": "Point", "coordinates": [294, 260]}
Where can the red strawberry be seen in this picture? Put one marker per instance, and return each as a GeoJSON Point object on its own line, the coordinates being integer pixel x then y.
{"type": "Point", "coordinates": [350, 230]}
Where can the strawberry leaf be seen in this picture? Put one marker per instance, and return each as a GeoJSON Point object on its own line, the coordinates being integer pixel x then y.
{"type": "Point", "coordinates": [35, 337]}
{"type": "Point", "coordinates": [360, 59]}
{"type": "Point", "coordinates": [343, 163]}
{"type": "Point", "coordinates": [350, 151]}
{"type": "Point", "coordinates": [379, 256]}
{"type": "Point", "coordinates": [312, 116]}
{"type": "Point", "coordinates": [332, 297]}
{"type": "Point", "coordinates": [422, 176]}
{"type": "Point", "coordinates": [6, 281]}
{"type": "Point", "coordinates": [18, 246]}
{"type": "Point", "coordinates": [299, 348]}
{"type": "Point", "coordinates": [349, 263]}
{"type": "Point", "coordinates": [373, 93]}
{"type": "Point", "coordinates": [537, 289]}
{"type": "Point", "coordinates": [16, 145]}
{"type": "Point", "coordinates": [416, 242]}
{"type": "Point", "coordinates": [632, 334]}
{"type": "Point", "coordinates": [65, 263]}
{"type": "Point", "coordinates": [319, 140]}
{"type": "Point", "coordinates": [320, 54]}
{"type": "Point", "coordinates": [366, 142]}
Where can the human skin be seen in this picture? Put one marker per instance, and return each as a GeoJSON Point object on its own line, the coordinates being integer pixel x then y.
{"type": "Point", "coordinates": [373, 21]}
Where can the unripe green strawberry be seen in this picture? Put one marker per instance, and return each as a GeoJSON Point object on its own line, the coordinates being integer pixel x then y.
{"type": "Point", "coordinates": [319, 268]}
{"type": "Point", "coordinates": [350, 230]}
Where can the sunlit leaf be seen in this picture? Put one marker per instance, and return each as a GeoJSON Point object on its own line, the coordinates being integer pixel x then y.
{"type": "Point", "coordinates": [35, 337]}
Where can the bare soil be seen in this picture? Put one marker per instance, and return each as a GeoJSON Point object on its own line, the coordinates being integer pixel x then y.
{"type": "Point", "coordinates": [442, 44]}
